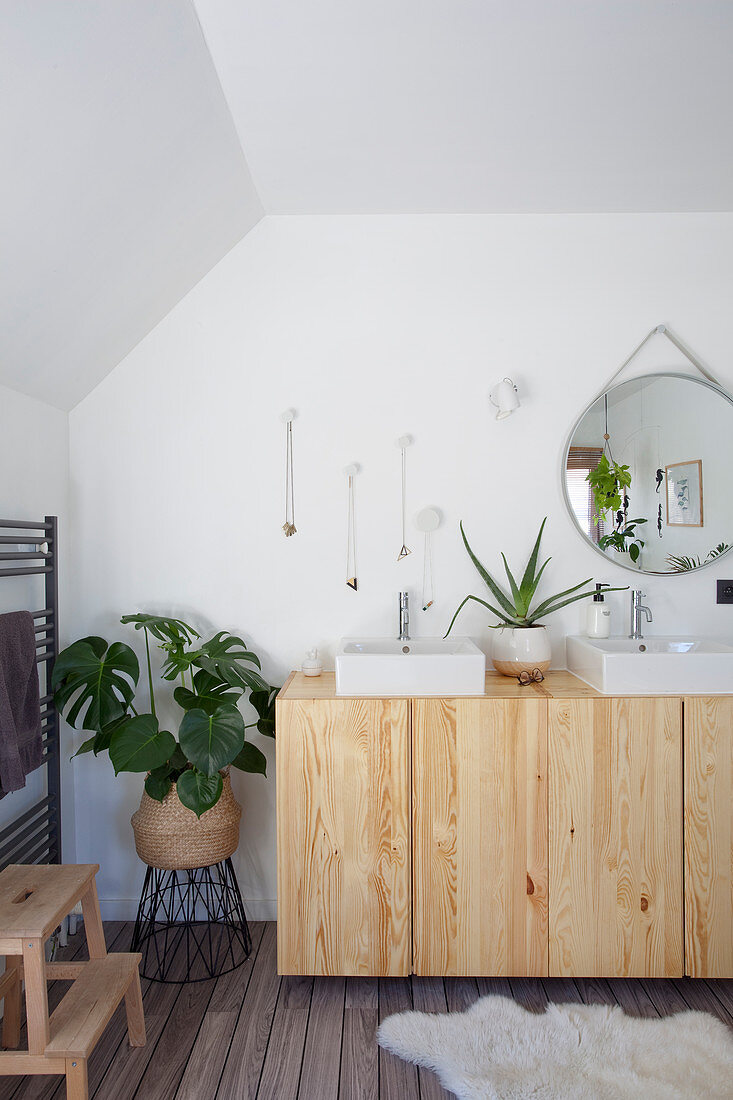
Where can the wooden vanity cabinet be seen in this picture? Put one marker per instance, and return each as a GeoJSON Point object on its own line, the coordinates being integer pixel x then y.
{"type": "Point", "coordinates": [709, 836]}
{"type": "Point", "coordinates": [343, 794]}
{"type": "Point", "coordinates": [479, 834]}
{"type": "Point", "coordinates": [528, 832]}
{"type": "Point", "coordinates": [615, 837]}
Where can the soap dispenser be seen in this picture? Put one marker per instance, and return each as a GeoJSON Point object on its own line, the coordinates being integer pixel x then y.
{"type": "Point", "coordinates": [312, 664]}
{"type": "Point", "coordinates": [598, 615]}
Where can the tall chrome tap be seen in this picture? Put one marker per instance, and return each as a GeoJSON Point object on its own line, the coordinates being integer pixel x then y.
{"type": "Point", "coordinates": [404, 634]}
{"type": "Point", "coordinates": [637, 607]}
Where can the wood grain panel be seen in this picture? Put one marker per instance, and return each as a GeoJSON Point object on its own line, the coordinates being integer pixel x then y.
{"type": "Point", "coordinates": [343, 837]}
{"type": "Point", "coordinates": [709, 837]}
{"type": "Point", "coordinates": [480, 836]}
{"type": "Point", "coordinates": [615, 777]}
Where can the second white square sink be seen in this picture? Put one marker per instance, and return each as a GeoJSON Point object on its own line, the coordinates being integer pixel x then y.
{"type": "Point", "coordinates": [422, 666]}
{"type": "Point", "coordinates": [652, 666]}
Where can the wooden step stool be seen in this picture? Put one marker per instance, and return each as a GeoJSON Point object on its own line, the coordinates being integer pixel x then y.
{"type": "Point", "coordinates": [33, 902]}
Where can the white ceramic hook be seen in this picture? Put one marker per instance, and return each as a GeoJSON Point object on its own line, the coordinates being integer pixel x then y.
{"type": "Point", "coordinates": [404, 441]}
{"type": "Point", "coordinates": [288, 416]}
{"type": "Point", "coordinates": [351, 470]}
{"type": "Point", "coordinates": [428, 520]}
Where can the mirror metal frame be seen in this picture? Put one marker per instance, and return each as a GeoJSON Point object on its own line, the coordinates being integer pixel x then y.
{"type": "Point", "coordinates": [564, 459]}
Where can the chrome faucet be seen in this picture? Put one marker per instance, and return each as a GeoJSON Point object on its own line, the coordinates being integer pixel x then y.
{"type": "Point", "coordinates": [404, 634]}
{"type": "Point", "coordinates": [636, 609]}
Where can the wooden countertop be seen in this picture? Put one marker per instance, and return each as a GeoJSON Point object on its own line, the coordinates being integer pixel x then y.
{"type": "Point", "coordinates": [557, 684]}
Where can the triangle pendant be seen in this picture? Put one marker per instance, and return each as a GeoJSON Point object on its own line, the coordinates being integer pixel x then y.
{"type": "Point", "coordinates": [403, 552]}
{"type": "Point", "coordinates": [353, 583]}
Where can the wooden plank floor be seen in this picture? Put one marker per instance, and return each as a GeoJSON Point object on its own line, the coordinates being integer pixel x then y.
{"type": "Point", "coordinates": [251, 1034]}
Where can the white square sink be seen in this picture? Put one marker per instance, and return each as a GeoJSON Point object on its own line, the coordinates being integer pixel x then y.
{"type": "Point", "coordinates": [423, 666]}
{"type": "Point", "coordinates": [652, 666]}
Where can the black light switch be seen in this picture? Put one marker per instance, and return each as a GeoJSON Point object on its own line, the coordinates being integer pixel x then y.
{"type": "Point", "coordinates": [725, 591]}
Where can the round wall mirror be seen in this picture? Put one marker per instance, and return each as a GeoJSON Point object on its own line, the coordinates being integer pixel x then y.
{"type": "Point", "coordinates": [648, 473]}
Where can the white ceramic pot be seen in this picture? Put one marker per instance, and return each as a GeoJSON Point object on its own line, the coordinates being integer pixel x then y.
{"type": "Point", "coordinates": [516, 649]}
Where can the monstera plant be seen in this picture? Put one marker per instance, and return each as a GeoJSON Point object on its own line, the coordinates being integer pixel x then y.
{"type": "Point", "coordinates": [95, 685]}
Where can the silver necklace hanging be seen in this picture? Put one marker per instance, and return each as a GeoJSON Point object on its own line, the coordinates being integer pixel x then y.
{"type": "Point", "coordinates": [403, 443]}
{"type": "Point", "coordinates": [289, 527]}
{"type": "Point", "coordinates": [352, 580]}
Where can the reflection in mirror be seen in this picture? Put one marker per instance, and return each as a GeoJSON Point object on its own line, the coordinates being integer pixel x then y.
{"type": "Point", "coordinates": [647, 473]}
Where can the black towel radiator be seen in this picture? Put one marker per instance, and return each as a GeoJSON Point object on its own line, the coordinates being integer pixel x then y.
{"type": "Point", "coordinates": [35, 835]}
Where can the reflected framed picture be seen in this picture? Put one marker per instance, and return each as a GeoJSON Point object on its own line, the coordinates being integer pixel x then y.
{"type": "Point", "coordinates": [684, 493]}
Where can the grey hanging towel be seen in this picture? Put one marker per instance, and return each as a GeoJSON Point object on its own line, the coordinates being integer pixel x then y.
{"type": "Point", "coordinates": [20, 708]}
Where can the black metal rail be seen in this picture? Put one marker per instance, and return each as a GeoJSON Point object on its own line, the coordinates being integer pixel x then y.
{"type": "Point", "coordinates": [35, 835]}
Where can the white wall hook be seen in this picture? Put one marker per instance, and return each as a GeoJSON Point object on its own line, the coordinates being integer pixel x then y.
{"type": "Point", "coordinates": [288, 416]}
{"type": "Point", "coordinates": [404, 441]}
{"type": "Point", "coordinates": [352, 469]}
{"type": "Point", "coordinates": [428, 520]}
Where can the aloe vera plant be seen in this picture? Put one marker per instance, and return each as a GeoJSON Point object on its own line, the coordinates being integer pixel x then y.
{"type": "Point", "coordinates": [514, 608]}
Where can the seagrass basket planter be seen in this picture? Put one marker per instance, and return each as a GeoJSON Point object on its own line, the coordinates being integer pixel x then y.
{"type": "Point", "coordinates": [170, 836]}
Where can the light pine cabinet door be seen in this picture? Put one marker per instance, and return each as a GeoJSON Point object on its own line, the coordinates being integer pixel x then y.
{"type": "Point", "coordinates": [479, 824]}
{"type": "Point", "coordinates": [709, 837]}
{"type": "Point", "coordinates": [343, 836]}
{"type": "Point", "coordinates": [615, 768]}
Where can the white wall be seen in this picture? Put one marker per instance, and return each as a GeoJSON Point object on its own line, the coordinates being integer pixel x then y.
{"type": "Point", "coordinates": [34, 461]}
{"type": "Point", "coordinates": [371, 327]}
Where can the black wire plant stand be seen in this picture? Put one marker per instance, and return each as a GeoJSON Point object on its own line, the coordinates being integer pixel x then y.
{"type": "Point", "coordinates": [191, 924]}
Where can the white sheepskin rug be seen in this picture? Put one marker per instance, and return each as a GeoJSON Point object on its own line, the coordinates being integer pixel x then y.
{"type": "Point", "coordinates": [498, 1051]}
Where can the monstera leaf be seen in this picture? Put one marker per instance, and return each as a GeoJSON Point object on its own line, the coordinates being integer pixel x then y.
{"type": "Point", "coordinates": [199, 792]}
{"type": "Point", "coordinates": [100, 680]}
{"type": "Point", "coordinates": [158, 783]}
{"type": "Point", "coordinates": [100, 741]}
{"type": "Point", "coordinates": [250, 759]}
{"type": "Point", "coordinates": [226, 657]}
{"type": "Point", "coordinates": [173, 631]}
{"type": "Point", "coordinates": [139, 746]}
{"type": "Point", "coordinates": [173, 636]}
{"type": "Point", "coordinates": [211, 741]}
{"type": "Point", "coordinates": [208, 693]}
{"type": "Point", "coordinates": [264, 704]}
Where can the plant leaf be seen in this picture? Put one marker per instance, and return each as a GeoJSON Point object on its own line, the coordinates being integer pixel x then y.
{"type": "Point", "coordinates": [519, 604]}
{"type": "Point", "coordinates": [208, 700]}
{"type": "Point", "coordinates": [542, 609]}
{"type": "Point", "coordinates": [199, 792]}
{"type": "Point", "coordinates": [158, 783]}
{"type": "Point", "coordinates": [211, 741]}
{"type": "Point", "coordinates": [499, 595]}
{"type": "Point", "coordinates": [139, 746]}
{"type": "Point", "coordinates": [264, 704]}
{"type": "Point", "coordinates": [165, 629]}
{"type": "Point", "coordinates": [101, 682]}
{"type": "Point", "coordinates": [225, 656]}
{"type": "Point", "coordinates": [86, 746]}
{"type": "Point", "coordinates": [250, 759]}
{"type": "Point", "coordinates": [580, 596]}
{"type": "Point", "coordinates": [533, 587]}
{"type": "Point", "coordinates": [528, 580]}
{"type": "Point", "coordinates": [494, 611]}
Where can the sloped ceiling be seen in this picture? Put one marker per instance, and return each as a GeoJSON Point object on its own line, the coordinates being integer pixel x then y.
{"type": "Point", "coordinates": [124, 178]}
{"type": "Point", "coordinates": [480, 106]}
{"type": "Point", "coordinates": [123, 182]}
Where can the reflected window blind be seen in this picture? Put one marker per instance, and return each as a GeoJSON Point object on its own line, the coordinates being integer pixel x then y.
{"type": "Point", "coordinates": [581, 460]}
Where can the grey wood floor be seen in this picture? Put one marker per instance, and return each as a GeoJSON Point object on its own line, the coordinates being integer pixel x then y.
{"type": "Point", "coordinates": [252, 1034]}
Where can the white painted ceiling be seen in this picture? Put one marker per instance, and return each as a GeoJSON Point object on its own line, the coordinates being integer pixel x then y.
{"type": "Point", "coordinates": [480, 106]}
{"type": "Point", "coordinates": [124, 178]}
{"type": "Point", "coordinates": [122, 183]}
